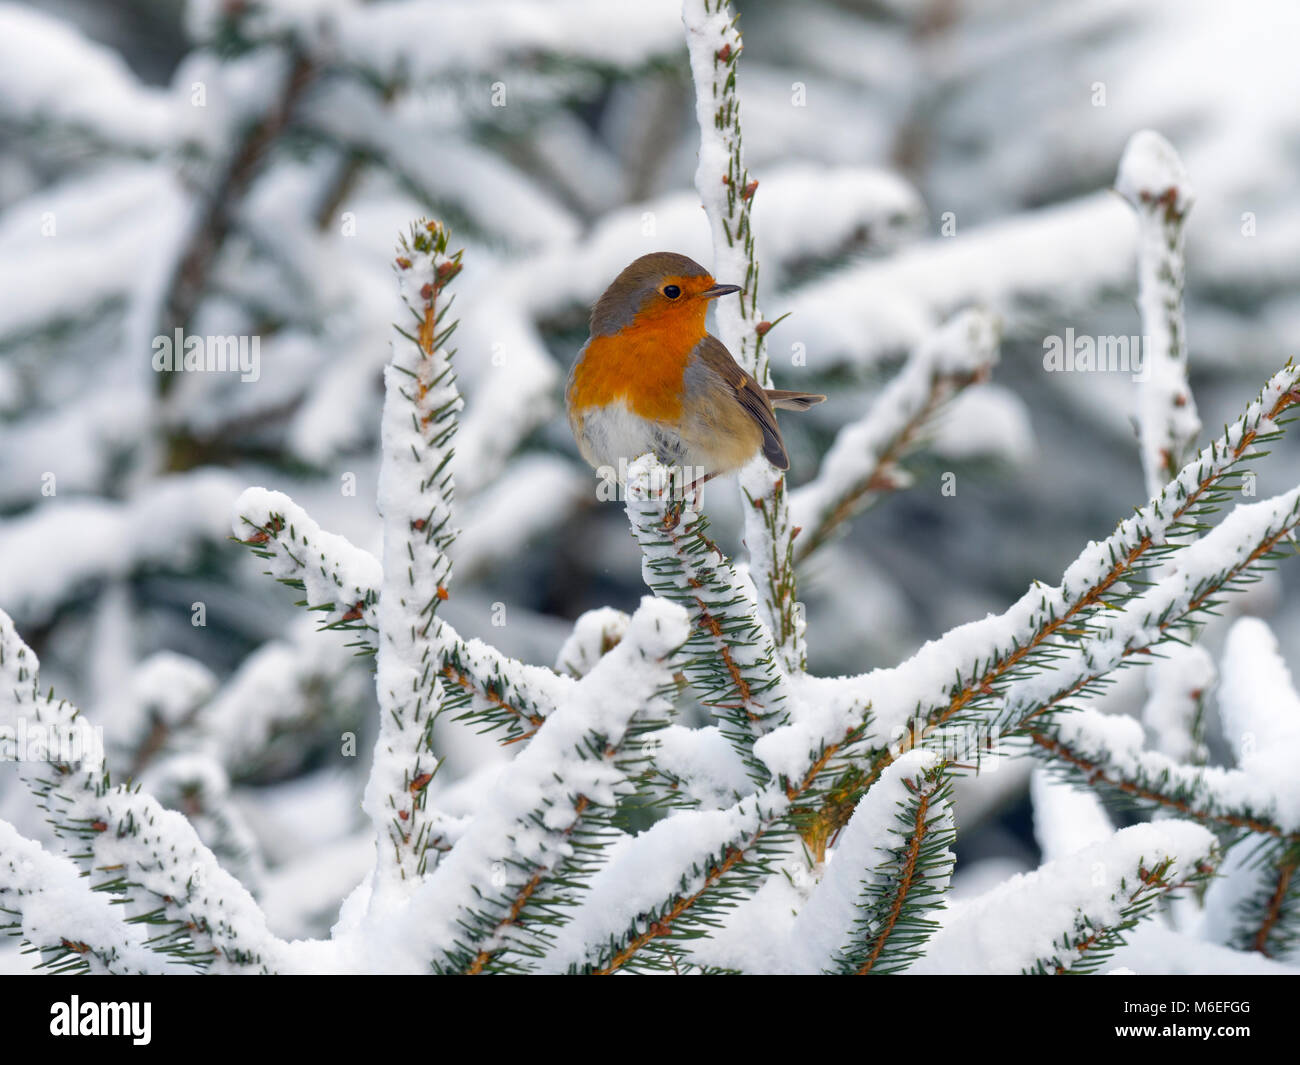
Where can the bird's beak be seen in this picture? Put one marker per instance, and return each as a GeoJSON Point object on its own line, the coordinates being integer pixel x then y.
{"type": "Point", "coordinates": [718, 290]}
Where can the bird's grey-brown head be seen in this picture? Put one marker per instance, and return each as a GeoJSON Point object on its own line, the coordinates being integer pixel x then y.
{"type": "Point", "coordinates": [659, 280]}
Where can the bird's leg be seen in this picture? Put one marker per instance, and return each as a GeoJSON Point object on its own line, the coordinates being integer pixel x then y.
{"type": "Point", "coordinates": [694, 491]}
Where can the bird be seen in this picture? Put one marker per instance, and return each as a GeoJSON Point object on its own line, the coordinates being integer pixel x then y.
{"type": "Point", "coordinates": [651, 378]}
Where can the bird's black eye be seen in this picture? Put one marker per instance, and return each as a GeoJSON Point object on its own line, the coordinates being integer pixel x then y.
{"type": "Point", "coordinates": [672, 291]}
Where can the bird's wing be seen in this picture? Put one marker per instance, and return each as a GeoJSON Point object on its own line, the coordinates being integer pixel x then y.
{"type": "Point", "coordinates": [753, 399]}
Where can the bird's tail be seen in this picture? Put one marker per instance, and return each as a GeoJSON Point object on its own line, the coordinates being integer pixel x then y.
{"type": "Point", "coordinates": [784, 400]}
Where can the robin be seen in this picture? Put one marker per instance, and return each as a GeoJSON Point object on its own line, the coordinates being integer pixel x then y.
{"type": "Point", "coordinates": [651, 378]}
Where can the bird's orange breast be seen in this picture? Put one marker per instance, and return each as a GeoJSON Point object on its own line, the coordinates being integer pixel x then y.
{"type": "Point", "coordinates": [643, 366]}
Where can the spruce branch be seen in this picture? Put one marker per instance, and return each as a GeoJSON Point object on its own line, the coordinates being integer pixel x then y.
{"type": "Point", "coordinates": [1095, 895]}
{"type": "Point", "coordinates": [511, 881]}
{"type": "Point", "coordinates": [873, 910]}
{"type": "Point", "coordinates": [863, 463]}
{"type": "Point", "coordinates": [339, 581]}
{"type": "Point", "coordinates": [150, 860]}
{"type": "Point", "coordinates": [732, 661]}
{"type": "Point", "coordinates": [727, 192]}
{"type": "Point", "coordinates": [683, 875]}
{"type": "Point", "coordinates": [45, 900]}
{"type": "Point", "coordinates": [341, 584]}
{"type": "Point", "coordinates": [1109, 754]}
{"type": "Point", "coordinates": [1152, 179]}
{"type": "Point", "coordinates": [911, 702]}
{"type": "Point", "coordinates": [415, 497]}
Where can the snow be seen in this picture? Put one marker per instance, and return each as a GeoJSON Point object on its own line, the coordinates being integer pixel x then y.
{"type": "Point", "coordinates": [58, 905]}
{"type": "Point", "coordinates": [1260, 708]}
{"type": "Point", "coordinates": [94, 539]}
{"type": "Point", "coordinates": [1066, 817]}
{"type": "Point", "coordinates": [1152, 179]}
{"type": "Point", "coordinates": [642, 872]}
{"type": "Point", "coordinates": [1150, 168]}
{"type": "Point", "coordinates": [106, 228]}
{"type": "Point", "coordinates": [826, 924]}
{"type": "Point", "coordinates": [986, 421]}
{"type": "Point", "coordinates": [494, 34]}
{"type": "Point", "coordinates": [1151, 950]}
{"type": "Point", "coordinates": [1011, 928]}
{"type": "Point", "coordinates": [331, 569]}
{"type": "Point", "coordinates": [711, 773]}
{"type": "Point", "coordinates": [594, 634]}
{"type": "Point", "coordinates": [1178, 683]}
{"type": "Point", "coordinates": [862, 314]}
{"type": "Point", "coordinates": [525, 824]}
{"type": "Point", "coordinates": [50, 72]}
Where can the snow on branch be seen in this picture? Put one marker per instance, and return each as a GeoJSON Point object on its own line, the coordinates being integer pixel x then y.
{"type": "Point", "coordinates": [149, 859]}
{"type": "Point", "coordinates": [669, 884]}
{"type": "Point", "coordinates": [862, 464]}
{"type": "Point", "coordinates": [873, 910]}
{"type": "Point", "coordinates": [50, 73]}
{"type": "Point", "coordinates": [495, 690]}
{"type": "Point", "coordinates": [1151, 178]}
{"type": "Point", "coordinates": [389, 41]}
{"type": "Point", "coordinates": [1062, 256]}
{"type": "Point", "coordinates": [1090, 898]}
{"type": "Point", "coordinates": [494, 901]}
{"type": "Point", "coordinates": [342, 582]}
{"type": "Point", "coordinates": [732, 661]}
{"type": "Point", "coordinates": [1259, 705]}
{"type": "Point", "coordinates": [338, 580]}
{"type": "Point", "coordinates": [1260, 799]}
{"type": "Point", "coordinates": [595, 634]}
{"type": "Point", "coordinates": [1229, 554]}
{"type": "Point", "coordinates": [45, 900]}
{"type": "Point", "coordinates": [415, 496]}
{"type": "Point", "coordinates": [1256, 904]}
{"type": "Point", "coordinates": [957, 683]}
{"type": "Point", "coordinates": [1174, 714]}
{"type": "Point", "coordinates": [727, 193]}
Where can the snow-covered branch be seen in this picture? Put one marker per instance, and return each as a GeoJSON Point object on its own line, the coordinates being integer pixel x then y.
{"type": "Point", "coordinates": [52, 907]}
{"type": "Point", "coordinates": [863, 463]}
{"type": "Point", "coordinates": [415, 496]}
{"type": "Point", "coordinates": [149, 859]}
{"type": "Point", "coordinates": [919, 698]}
{"type": "Point", "coordinates": [1092, 897]}
{"type": "Point", "coordinates": [727, 193]}
{"type": "Point", "coordinates": [338, 580]}
{"type": "Point", "coordinates": [873, 910]}
{"type": "Point", "coordinates": [733, 665]}
{"type": "Point", "coordinates": [495, 900]}
{"type": "Point", "coordinates": [1152, 179]}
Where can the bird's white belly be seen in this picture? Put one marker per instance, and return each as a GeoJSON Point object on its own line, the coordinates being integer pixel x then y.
{"type": "Point", "coordinates": [612, 435]}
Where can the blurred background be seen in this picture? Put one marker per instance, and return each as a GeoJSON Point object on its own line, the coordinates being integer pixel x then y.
{"type": "Point", "coordinates": [244, 168]}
